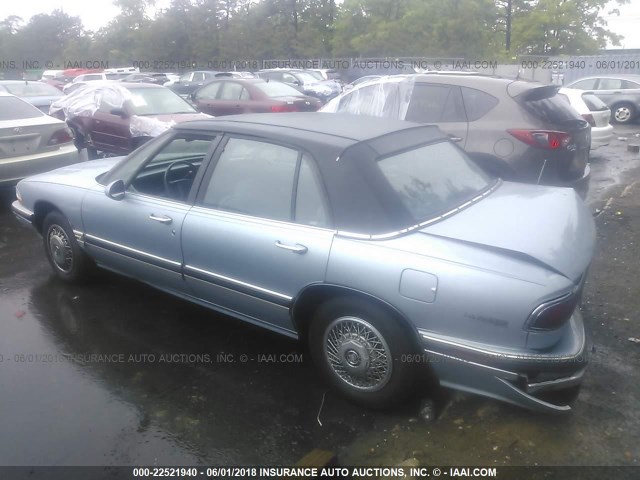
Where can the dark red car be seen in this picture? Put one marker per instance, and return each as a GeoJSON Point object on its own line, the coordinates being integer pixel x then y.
{"type": "Point", "coordinates": [116, 117]}
{"type": "Point", "coordinates": [229, 96]}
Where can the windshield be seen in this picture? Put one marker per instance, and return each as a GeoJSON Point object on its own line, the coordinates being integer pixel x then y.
{"type": "Point", "coordinates": [32, 89]}
{"type": "Point", "coordinates": [433, 179]}
{"type": "Point", "coordinates": [278, 89]}
{"type": "Point", "coordinates": [157, 101]}
{"type": "Point", "coordinates": [12, 108]}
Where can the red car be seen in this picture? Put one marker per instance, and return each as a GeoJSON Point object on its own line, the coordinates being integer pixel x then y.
{"type": "Point", "coordinates": [228, 96]}
{"type": "Point", "coordinates": [116, 117]}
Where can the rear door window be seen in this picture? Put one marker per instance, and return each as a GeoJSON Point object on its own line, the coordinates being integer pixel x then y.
{"type": "Point", "coordinates": [435, 103]}
{"type": "Point", "coordinates": [231, 91]}
{"type": "Point", "coordinates": [587, 84]}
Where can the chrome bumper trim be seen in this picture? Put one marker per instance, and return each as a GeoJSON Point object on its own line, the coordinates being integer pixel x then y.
{"type": "Point", "coordinates": [496, 354]}
{"type": "Point", "coordinates": [557, 384]}
{"type": "Point", "coordinates": [21, 211]}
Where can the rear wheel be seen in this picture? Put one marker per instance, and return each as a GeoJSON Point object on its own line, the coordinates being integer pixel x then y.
{"type": "Point", "coordinates": [65, 256]}
{"type": "Point", "coordinates": [623, 113]}
{"type": "Point", "coordinates": [359, 349]}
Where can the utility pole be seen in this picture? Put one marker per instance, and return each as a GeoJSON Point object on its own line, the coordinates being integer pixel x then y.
{"type": "Point", "coordinates": [508, 41]}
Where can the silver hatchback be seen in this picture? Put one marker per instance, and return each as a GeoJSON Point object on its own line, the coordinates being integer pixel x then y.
{"type": "Point", "coordinates": [377, 242]}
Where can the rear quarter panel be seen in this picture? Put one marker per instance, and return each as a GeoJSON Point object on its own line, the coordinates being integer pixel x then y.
{"type": "Point", "coordinates": [476, 298]}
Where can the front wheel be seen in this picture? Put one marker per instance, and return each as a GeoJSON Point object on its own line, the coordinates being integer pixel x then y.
{"type": "Point", "coordinates": [623, 113]}
{"type": "Point", "coordinates": [359, 349]}
{"type": "Point", "coordinates": [65, 256]}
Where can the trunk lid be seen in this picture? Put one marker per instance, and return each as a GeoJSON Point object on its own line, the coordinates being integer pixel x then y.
{"type": "Point", "coordinates": [27, 136]}
{"type": "Point", "coordinates": [546, 225]}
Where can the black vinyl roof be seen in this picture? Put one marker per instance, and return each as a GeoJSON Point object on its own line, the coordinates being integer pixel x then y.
{"type": "Point", "coordinates": [345, 149]}
{"type": "Point", "coordinates": [355, 128]}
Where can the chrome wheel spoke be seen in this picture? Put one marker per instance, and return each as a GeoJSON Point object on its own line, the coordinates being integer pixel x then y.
{"type": "Point", "coordinates": [357, 353]}
{"type": "Point", "coordinates": [60, 249]}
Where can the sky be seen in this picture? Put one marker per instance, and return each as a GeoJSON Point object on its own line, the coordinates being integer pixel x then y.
{"type": "Point", "coordinates": [97, 13]}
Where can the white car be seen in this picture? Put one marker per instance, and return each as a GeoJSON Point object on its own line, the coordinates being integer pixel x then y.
{"type": "Point", "coordinates": [594, 111]}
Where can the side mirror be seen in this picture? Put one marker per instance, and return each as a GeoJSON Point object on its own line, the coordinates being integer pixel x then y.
{"type": "Point", "coordinates": [120, 112]}
{"type": "Point", "coordinates": [115, 190]}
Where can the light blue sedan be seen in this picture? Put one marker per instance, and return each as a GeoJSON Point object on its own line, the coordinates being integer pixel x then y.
{"type": "Point", "coordinates": [378, 242]}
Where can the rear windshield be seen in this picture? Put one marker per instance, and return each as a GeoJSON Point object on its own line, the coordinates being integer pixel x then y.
{"type": "Point", "coordinates": [552, 109]}
{"type": "Point", "coordinates": [12, 108]}
{"type": "Point", "coordinates": [433, 179]}
{"type": "Point", "coordinates": [278, 89]}
{"type": "Point", "coordinates": [157, 101]}
{"type": "Point", "coordinates": [34, 89]}
{"type": "Point", "coordinates": [593, 103]}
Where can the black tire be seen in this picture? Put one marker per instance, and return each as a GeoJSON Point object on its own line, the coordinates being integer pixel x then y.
{"type": "Point", "coordinates": [65, 256]}
{"type": "Point", "coordinates": [623, 113]}
{"type": "Point", "coordinates": [333, 335]}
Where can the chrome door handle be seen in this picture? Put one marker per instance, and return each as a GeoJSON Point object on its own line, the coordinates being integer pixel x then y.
{"type": "Point", "coordinates": [297, 248]}
{"type": "Point", "coordinates": [163, 219]}
{"type": "Point", "coordinates": [455, 139]}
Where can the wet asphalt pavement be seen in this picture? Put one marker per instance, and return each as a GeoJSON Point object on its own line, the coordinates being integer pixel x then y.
{"type": "Point", "coordinates": [116, 373]}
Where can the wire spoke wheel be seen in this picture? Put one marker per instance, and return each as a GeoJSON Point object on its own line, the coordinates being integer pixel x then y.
{"type": "Point", "coordinates": [60, 248]}
{"type": "Point", "coordinates": [357, 353]}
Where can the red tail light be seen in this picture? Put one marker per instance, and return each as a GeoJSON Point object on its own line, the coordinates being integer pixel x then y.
{"type": "Point", "coordinates": [61, 136]}
{"type": "Point", "coordinates": [554, 314]}
{"type": "Point", "coordinates": [589, 118]}
{"type": "Point", "coordinates": [548, 139]}
{"type": "Point", "coordinates": [284, 108]}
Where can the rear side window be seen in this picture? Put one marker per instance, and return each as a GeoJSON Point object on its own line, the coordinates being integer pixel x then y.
{"type": "Point", "coordinates": [433, 179]}
{"type": "Point", "coordinates": [435, 103]}
{"type": "Point", "coordinates": [12, 108]}
{"type": "Point", "coordinates": [609, 84]}
{"type": "Point", "coordinates": [477, 103]}
{"type": "Point", "coordinates": [593, 103]}
{"type": "Point", "coordinates": [209, 92]}
{"type": "Point", "coordinates": [627, 85]}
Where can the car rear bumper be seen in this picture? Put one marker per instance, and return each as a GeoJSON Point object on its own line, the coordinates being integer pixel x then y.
{"type": "Point", "coordinates": [601, 136]}
{"type": "Point", "coordinates": [520, 378]}
{"type": "Point", "coordinates": [581, 185]}
{"type": "Point", "coordinates": [14, 169]}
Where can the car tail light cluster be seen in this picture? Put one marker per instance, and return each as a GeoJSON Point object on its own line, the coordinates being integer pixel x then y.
{"type": "Point", "coordinates": [553, 314]}
{"type": "Point", "coordinates": [284, 108]}
{"type": "Point", "coordinates": [61, 136]}
{"type": "Point", "coordinates": [548, 139]}
{"type": "Point", "coordinates": [589, 118]}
